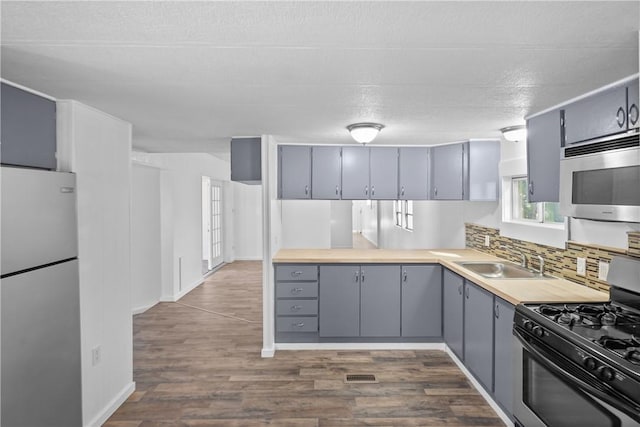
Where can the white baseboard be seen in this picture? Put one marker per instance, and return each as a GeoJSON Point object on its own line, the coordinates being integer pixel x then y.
{"type": "Point", "coordinates": [189, 288]}
{"type": "Point", "coordinates": [249, 258]}
{"type": "Point", "coordinates": [142, 309]}
{"type": "Point", "coordinates": [505, 419]}
{"type": "Point", "coordinates": [361, 346]}
{"type": "Point", "coordinates": [268, 352]}
{"type": "Point", "coordinates": [112, 406]}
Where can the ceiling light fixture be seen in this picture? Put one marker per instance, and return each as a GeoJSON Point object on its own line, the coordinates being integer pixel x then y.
{"type": "Point", "coordinates": [364, 132]}
{"type": "Point", "coordinates": [515, 133]}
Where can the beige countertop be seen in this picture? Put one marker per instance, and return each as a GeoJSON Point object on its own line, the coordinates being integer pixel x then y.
{"type": "Point", "coordinates": [513, 290]}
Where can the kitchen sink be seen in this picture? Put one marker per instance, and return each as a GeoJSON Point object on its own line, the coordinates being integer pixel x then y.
{"type": "Point", "coordinates": [501, 270]}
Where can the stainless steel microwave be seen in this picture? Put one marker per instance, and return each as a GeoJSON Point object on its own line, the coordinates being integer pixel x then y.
{"type": "Point", "coordinates": [600, 180]}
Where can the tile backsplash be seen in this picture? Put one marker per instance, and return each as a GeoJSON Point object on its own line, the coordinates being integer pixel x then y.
{"type": "Point", "coordinates": [558, 262]}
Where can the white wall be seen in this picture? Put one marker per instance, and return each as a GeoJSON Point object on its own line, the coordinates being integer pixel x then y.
{"type": "Point", "coordinates": [97, 146]}
{"type": "Point", "coordinates": [341, 224]}
{"type": "Point", "coordinates": [247, 216]}
{"type": "Point", "coordinates": [146, 266]}
{"type": "Point", "coordinates": [306, 224]}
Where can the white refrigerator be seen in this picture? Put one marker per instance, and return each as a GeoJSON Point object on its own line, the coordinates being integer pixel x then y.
{"type": "Point", "coordinates": [40, 307]}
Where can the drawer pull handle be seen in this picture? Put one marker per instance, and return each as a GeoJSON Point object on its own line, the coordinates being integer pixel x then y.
{"type": "Point", "coordinates": [296, 290]}
{"type": "Point", "coordinates": [298, 325]}
{"type": "Point", "coordinates": [296, 273]}
{"type": "Point", "coordinates": [296, 307]}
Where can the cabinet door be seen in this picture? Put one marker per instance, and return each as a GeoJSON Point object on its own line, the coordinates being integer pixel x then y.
{"type": "Point", "coordinates": [383, 173]}
{"type": "Point", "coordinates": [326, 171]}
{"type": "Point", "coordinates": [595, 116]}
{"type": "Point", "coordinates": [543, 157]}
{"type": "Point", "coordinates": [503, 351]}
{"type": "Point", "coordinates": [421, 301]}
{"type": "Point", "coordinates": [483, 178]}
{"type": "Point", "coordinates": [453, 328]}
{"type": "Point", "coordinates": [478, 333]}
{"type": "Point", "coordinates": [295, 172]}
{"type": "Point", "coordinates": [28, 129]}
{"type": "Point", "coordinates": [339, 301]}
{"type": "Point", "coordinates": [355, 173]}
{"type": "Point", "coordinates": [633, 105]}
{"type": "Point", "coordinates": [380, 301]}
{"type": "Point", "coordinates": [414, 173]}
{"type": "Point", "coordinates": [447, 172]}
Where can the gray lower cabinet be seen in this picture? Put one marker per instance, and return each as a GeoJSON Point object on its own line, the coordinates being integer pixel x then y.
{"type": "Point", "coordinates": [421, 289]}
{"type": "Point", "coordinates": [544, 141]}
{"type": "Point", "coordinates": [478, 333]}
{"type": "Point", "coordinates": [296, 300]}
{"type": "Point", "coordinates": [414, 173]}
{"type": "Point", "coordinates": [339, 301]}
{"type": "Point", "coordinates": [355, 173]}
{"type": "Point", "coordinates": [383, 173]}
{"type": "Point", "coordinates": [453, 312]}
{"type": "Point", "coordinates": [380, 301]}
{"type": "Point", "coordinates": [294, 172]}
{"type": "Point", "coordinates": [326, 171]}
{"type": "Point", "coordinates": [503, 354]}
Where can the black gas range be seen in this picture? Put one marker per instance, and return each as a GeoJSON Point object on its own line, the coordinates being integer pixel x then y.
{"type": "Point", "coordinates": [589, 351]}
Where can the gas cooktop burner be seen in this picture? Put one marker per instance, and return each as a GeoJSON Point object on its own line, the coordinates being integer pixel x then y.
{"type": "Point", "coordinates": [627, 348]}
{"type": "Point", "coordinates": [591, 315]}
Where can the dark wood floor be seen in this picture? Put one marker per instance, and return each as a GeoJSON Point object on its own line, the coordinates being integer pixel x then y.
{"type": "Point", "coordinates": [197, 363]}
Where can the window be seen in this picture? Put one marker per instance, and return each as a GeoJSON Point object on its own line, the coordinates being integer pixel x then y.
{"type": "Point", "coordinates": [403, 210]}
{"type": "Point", "coordinates": [521, 210]}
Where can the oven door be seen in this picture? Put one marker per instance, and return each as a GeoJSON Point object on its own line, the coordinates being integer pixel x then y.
{"type": "Point", "coordinates": [601, 186]}
{"type": "Point", "coordinates": [552, 392]}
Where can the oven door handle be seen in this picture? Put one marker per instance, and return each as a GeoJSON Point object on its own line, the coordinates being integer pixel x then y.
{"type": "Point", "coordinates": [616, 400]}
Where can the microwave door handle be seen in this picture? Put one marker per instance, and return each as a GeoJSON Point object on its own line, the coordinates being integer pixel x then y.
{"type": "Point", "coordinates": [613, 398]}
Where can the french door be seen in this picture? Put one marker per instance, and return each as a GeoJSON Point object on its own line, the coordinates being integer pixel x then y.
{"type": "Point", "coordinates": [211, 224]}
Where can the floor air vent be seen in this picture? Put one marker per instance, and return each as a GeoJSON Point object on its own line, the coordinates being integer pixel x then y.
{"type": "Point", "coordinates": [360, 379]}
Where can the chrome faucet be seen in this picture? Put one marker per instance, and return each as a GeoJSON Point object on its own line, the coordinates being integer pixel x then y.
{"type": "Point", "coordinates": [523, 256]}
{"type": "Point", "coordinates": [541, 267]}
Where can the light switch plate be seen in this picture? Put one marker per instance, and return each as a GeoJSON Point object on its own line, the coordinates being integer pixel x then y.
{"type": "Point", "coordinates": [603, 270]}
{"type": "Point", "coordinates": [581, 268]}
{"type": "Point", "coordinates": [486, 240]}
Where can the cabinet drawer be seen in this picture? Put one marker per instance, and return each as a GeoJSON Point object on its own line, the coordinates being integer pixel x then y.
{"type": "Point", "coordinates": [296, 272]}
{"type": "Point", "coordinates": [296, 290]}
{"type": "Point", "coordinates": [286, 307]}
{"type": "Point", "coordinates": [297, 324]}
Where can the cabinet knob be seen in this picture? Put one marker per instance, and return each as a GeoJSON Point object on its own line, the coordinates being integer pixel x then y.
{"type": "Point", "coordinates": [460, 289]}
{"type": "Point", "coordinates": [404, 276]}
{"type": "Point", "coordinates": [295, 308]}
{"type": "Point", "coordinates": [497, 311]}
{"type": "Point", "coordinates": [531, 187]}
{"type": "Point", "coordinates": [373, 190]}
{"type": "Point", "coordinates": [298, 325]}
{"type": "Point", "coordinates": [306, 189]}
{"type": "Point", "coordinates": [620, 115]}
{"type": "Point", "coordinates": [402, 191]}
{"type": "Point", "coordinates": [337, 189]}
{"type": "Point", "coordinates": [362, 277]}
{"type": "Point", "coordinates": [296, 290]}
{"type": "Point", "coordinates": [296, 273]}
{"type": "Point", "coordinates": [366, 190]}
{"type": "Point", "coordinates": [466, 291]}
{"type": "Point", "coordinates": [356, 276]}
{"type": "Point", "coordinates": [633, 114]}
{"type": "Point", "coordinates": [435, 191]}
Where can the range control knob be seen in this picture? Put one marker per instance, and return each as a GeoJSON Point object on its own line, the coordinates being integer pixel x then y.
{"type": "Point", "coordinates": [589, 363]}
{"type": "Point", "coordinates": [538, 331]}
{"type": "Point", "coordinates": [528, 325]}
{"type": "Point", "coordinates": [606, 373]}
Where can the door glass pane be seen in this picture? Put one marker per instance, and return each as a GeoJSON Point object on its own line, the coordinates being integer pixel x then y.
{"type": "Point", "coordinates": [557, 403]}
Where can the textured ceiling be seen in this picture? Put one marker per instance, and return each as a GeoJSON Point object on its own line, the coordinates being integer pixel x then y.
{"type": "Point", "coordinates": [189, 75]}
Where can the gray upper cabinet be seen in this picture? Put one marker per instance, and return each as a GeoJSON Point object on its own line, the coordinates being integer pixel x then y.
{"type": "Point", "coordinates": [294, 172]}
{"type": "Point", "coordinates": [483, 177]}
{"type": "Point", "coordinates": [339, 301]}
{"type": "Point", "coordinates": [478, 333]}
{"type": "Point", "coordinates": [414, 173]}
{"type": "Point", "coordinates": [28, 129]}
{"type": "Point", "coordinates": [355, 173]}
{"type": "Point", "coordinates": [383, 173]}
{"type": "Point", "coordinates": [447, 172]}
{"type": "Point", "coordinates": [326, 171]}
{"type": "Point", "coordinates": [503, 354]}
{"type": "Point", "coordinates": [421, 300]}
{"type": "Point", "coordinates": [380, 301]}
{"type": "Point", "coordinates": [453, 309]}
{"type": "Point", "coordinates": [595, 116]}
{"type": "Point", "coordinates": [633, 105]}
{"type": "Point", "coordinates": [544, 143]}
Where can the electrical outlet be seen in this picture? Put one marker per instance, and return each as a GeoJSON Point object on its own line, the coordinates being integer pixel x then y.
{"type": "Point", "coordinates": [96, 355]}
{"type": "Point", "coordinates": [603, 270]}
{"type": "Point", "coordinates": [486, 240]}
{"type": "Point", "coordinates": [581, 268]}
